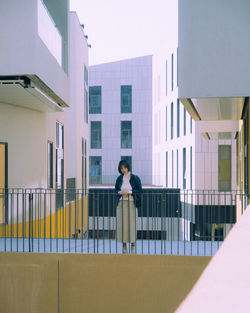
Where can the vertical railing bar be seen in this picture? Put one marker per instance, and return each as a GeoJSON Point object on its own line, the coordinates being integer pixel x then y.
{"type": "Point", "coordinates": [98, 215]}
{"type": "Point", "coordinates": [103, 228]}
{"type": "Point", "coordinates": [109, 217]}
{"type": "Point", "coordinates": [44, 221]}
{"type": "Point", "coordinates": [69, 225]}
{"type": "Point", "coordinates": [75, 221]}
{"type": "Point", "coordinates": [23, 219]}
{"type": "Point", "coordinates": [50, 224]}
{"type": "Point", "coordinates": [11, 219]}
{"type": "Point", "coordinates": [17, 219]}
{"type": "Point", "coordinates": [82, 226]}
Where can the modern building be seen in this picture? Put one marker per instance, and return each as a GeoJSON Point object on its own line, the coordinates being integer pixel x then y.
{"type": "Point", "coordinates": [120, 110]}
{"type": "Point", "coordinates": [213, 81]}
{"type": "Point", "coordinates": [135, 114]}
{"type": "Point", "coordinates": [43, 105]}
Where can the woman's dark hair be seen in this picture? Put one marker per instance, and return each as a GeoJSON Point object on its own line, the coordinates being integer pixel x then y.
{"type": "Point", "coordinates": [123, 163]}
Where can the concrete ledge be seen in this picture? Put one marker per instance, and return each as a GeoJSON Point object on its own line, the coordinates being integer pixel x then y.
{"type": "Point", "coordinates": [96, 283]}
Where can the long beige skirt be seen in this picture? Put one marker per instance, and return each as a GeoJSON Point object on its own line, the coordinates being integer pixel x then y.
{"type": "Point", "coordinates": [126, 214]}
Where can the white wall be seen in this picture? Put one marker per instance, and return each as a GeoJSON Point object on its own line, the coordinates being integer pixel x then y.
{"type": "Point", "coordinates": [214, 59]}
{"type": "Point", "coordinates": [77, 127]}
{"type": "Point", "coordinates": [27, 133]}
{"type": "Point", "coordinates": [23, 52]}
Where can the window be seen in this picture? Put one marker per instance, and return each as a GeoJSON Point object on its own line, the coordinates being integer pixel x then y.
{"type": "Point", "coordinates": [224, 167]}
{"type": "Point", "coordinates": [126, 99]}
{"type": "Point", "coordinates": [86, 75]}
{"type": "Point", "coordinates": [126, 134]}
{"type": "Point", "coordinates": [172, 120]}
{"type": "Point", "coordinates": [166, 123]}
{"type": "Point", "coordinates": [191, 167]}
{"type": "Point", "coordinates": [191, 124]}
{"type": "Point", "coordinates": [177, 76]}
{"type": "Point", "coordinates": [172, 72]}
{"type": "Point", "coordinates": [50, 165]}
{"type": "Point", "coordinates": [166, 77]}
{"type": "Point", "coordinates": [84, 163]}
{"type": "Point", "coordinates": [178, 118]}
{"type": "Point", "coordinates": [172, 168]}
{"type": "Point", "coordinates": [166, 169]}
{"type": "Point", "coordinates": [96, 135]}
{"type": "Point", "coordinates": [95, 100]}
{"type": "Point", "coordinates": [95, 170]}
{"type": "Point", "coordinates": [129, 160]}
{"type": "Point", "coordinates": [59, 165]}
{"type": "Point", "coordinates": [177, 168]}
{"type": "Point", "coordinates": [86, 105]}
{"type": "Point", "coordinates": [184, 121]}
{"type": "Point", "coordinates": [184, 168]}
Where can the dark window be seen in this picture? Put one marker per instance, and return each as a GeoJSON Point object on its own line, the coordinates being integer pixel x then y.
{"type": "Point", "coordinates": [166, 169]}
{"type": "Point", "coordinates": [166, 77]}
{"type": "Point", "coordinates": [84, 164]}
{"type": "Point", "coordinates": [95, 170]}
{"type": "Point", "coordinates": [59, 165]}
{"type": "Point", "coordinates": [178, 118]}
{"type": "Point", "coordinates": [86, 105]}
{"type": "Point", "coordinates": [96, 135]}
{"type": "Point", "coordinates": [126, 134]}
{"type": "Point", "coordinates": [184, 168]}
{"type": "Point", "coordinates": [172, 120]}
{"type": "Point", "coordinates": [172, 168]}
{"type": "Point", "coordinates": [184, 121]}
{"type": "Point", "coordinates": [50, 165]}
{"type": "Point", "coordinates": [177, 168]}
{"type": "Point", "coordinates": [126, 99]}
{"type": "Point", "coordinates": [95, 100]}
{"type": "Point", "coordinates": [86, 75]}
{"type": "Point", "coordinates": [172, 71]}
{"type": "Point", "coordinates": [166, 123]}
{"type": "Point", "coordinates": [129, 160]}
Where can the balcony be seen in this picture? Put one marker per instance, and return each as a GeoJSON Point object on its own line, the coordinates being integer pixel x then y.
{"type": "Point", "coordinates": [34, 55]}
{"type": "Point", "coordinates": [169, 222]}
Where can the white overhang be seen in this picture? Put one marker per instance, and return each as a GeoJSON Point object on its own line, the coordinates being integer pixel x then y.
{"type": "Point", "coordinates": [219, 129]}
{"type": "Point", "coordinates": [214, 109]}
{"type": "Point", "coordinates": [24, 93]}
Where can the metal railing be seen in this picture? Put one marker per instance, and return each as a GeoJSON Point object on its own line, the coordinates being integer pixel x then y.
{"type": "Point", "coordinates": [169, 221]}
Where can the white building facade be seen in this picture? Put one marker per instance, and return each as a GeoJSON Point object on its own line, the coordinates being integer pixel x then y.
{"type": "Point", "coordinates": [121, 119]}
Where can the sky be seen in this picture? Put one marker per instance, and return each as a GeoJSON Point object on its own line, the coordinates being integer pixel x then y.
{"type": "Point", "coordinates": [121, 29]}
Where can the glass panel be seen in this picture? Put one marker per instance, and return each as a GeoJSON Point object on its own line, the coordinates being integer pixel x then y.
{"type": "Point", "coordinates": [50, 165]}
{"type": "Point", "coordinates": [126, 99]}
{"type": "Point", "coordinates": [126, 134]}
{"type": "Point", "coordinates": [172, 120]}
{"type": "Point", "coordinates": [96, 135]}
{"type": "Point", "coordinates": [95, 169]}
{"type": "Point", "coordinates": [184, 168]}
{"type": "Point", "coordinates": [95, 100]}
{"type": "Point", "coordinates": [178, 118]}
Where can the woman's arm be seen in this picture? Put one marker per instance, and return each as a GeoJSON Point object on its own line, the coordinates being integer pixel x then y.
{"type": "Point", "coordinates": [138, 186]}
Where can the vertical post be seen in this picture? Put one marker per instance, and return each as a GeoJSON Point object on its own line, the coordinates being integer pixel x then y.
{"type": "Point", "coordinates": [30, 221]}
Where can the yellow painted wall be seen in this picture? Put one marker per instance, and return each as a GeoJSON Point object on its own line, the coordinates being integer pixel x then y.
{"type": "Point", "coordinates": [88, 283]}
{"type": "Point", "coordinates": [60, 224]}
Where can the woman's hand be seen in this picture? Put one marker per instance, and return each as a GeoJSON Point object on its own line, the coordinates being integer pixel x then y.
{"type": "Point", "coordinates": [123, 192]}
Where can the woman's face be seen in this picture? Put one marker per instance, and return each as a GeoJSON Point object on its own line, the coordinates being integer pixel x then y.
{"type": "Point", "coordinates": [123, 169]}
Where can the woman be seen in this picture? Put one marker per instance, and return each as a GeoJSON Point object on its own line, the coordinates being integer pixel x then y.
{"type": "Point", "coordinates": [128, 189]}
